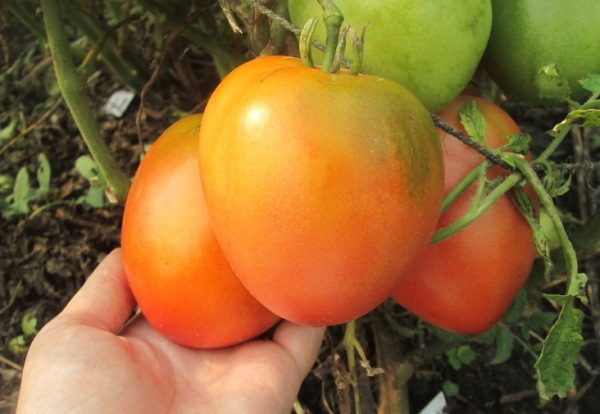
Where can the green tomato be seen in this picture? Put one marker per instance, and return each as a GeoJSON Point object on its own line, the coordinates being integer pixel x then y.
{"type": "Point", "coordinates": [431, 47]}
{"type": "Point", "coordinates": [539, 49]}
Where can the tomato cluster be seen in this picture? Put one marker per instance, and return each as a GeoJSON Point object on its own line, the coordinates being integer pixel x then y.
{"type": "Point", "coordinates": [312, 196]}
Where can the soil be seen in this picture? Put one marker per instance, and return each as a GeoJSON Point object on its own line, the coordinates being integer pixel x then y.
{"type": "Point", "coordinates": [46, 255]}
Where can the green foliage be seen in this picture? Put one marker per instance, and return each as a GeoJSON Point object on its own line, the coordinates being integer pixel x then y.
{"type": "Point", "coordinates": [450, 388]}
{"type": "Point", "coordinates": [473, 121]}
{"type": "Point", "coordinates": [17, 203]}
{"type": "Point", "coordinates": [551, 84]}
{"type": "Point", "coordinates": [95, 196]}
{"type": "Point", "coordinates": [555, 367]}
{"type": "Point", "coordinates": [461, 355]}
{"type": "Point", "coordinates": [29, 327]}
{"type": "Point", "coordinates": [591, 83]}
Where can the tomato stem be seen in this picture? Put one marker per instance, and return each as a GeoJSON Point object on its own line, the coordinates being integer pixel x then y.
{"type": "Point", "coordinates": [73, 90]}
{"type": "Point", "coordinates": [458, 189]}
{"type": "Point", "coordinates": [547, 204]}
{"type": "Point", "coordinates": [352, 345]}
{"type": "Point", "coordinates": [333, 18]}
{"type": "Point", "coordinates": [305, 43]}
{"type": "Point", "coordinates": [477, 209]}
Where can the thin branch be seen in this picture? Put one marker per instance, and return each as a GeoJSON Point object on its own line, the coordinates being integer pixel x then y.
{"type": "Point", "coordinates": [439, 122]}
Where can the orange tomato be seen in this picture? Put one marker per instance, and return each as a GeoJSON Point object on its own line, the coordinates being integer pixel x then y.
{"type": "Point", "coordinates": [321, 187]}
{"type": "Point", "coordinates": [177, 272]}
{"type": "Point", "coordinates": [466, 282]}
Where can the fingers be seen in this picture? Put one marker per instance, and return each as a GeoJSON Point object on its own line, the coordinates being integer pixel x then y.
{"type": "Point", "coordinates": [104, 301]}
{"type": "Point", "coordinates": [302, 343]}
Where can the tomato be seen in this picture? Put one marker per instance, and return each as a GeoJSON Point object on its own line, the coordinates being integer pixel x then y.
{"type": "Point", "coordinates": [321, 187]}
{"type": "Point", "coordinates": [530, 34]}
{"type": "Point", "coordinates": [466, 282]}
{"type": "Point", "coordinates": [431, 47]}
{"type": "Point", "coordinates": [176, 270]}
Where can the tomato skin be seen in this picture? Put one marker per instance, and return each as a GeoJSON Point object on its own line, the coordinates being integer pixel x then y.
{"type": "Point", "coordinates": [431, 47]}
{"type": "Point", "coordinates": [321, 187]}
{"type": "Point", "coordinates": [175, 267]}
{"type": "Point", "coordinates": [529, 34]}
{"type": "Point", "coordinates": [467, 282]}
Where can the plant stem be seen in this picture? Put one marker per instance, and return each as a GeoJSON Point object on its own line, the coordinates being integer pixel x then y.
{"type": "Point", "coordinates": [333, 18]}
{"type": "Point", "coordinates": [73, 90]}
{"type": "Point", "coordinates": [548, 205]}
{"type": "Point", "coordinates": [458, 189]}
{"type": "Point", "coordinates": [478, 209]}
{"type": "Point", "coordinates": [439, 122]}
{"type": "Point", "coordinates": [349, 344]}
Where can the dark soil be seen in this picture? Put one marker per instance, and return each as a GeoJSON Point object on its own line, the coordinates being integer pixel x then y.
{"type": "Point", "coordinates": [45, 256]}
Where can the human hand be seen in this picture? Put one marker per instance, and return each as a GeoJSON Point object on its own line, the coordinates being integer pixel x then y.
{"type": "Point", "coordinates": [84, 361]}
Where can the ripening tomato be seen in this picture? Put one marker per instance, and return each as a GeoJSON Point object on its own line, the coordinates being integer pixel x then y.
{"type": "Point", "coordinates": [177, 272]}
{"type": "Point", "coordinates": [321, 187]}
{"type": "Point", "coordinates": [530, 35]}
{"type": "Point", "coordinates": [430, 47]}
{"type": "Point", "coordinates": [466, 282]}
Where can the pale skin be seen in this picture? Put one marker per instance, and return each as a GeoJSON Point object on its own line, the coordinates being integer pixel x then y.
{"type": "Point", "coordinates": [84, 361]}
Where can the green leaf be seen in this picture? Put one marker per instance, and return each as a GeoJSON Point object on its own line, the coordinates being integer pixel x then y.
{"type": "Point", "coordinates": [519, 143]}
{"type": "Point", "coordinates": [95, 197]}
{"type": "Point", "coordinates": [523, 203]}
{"type": "Point", "coordinates": [513, 315]}
{"type": "Point", "coordinates": [86, 166]}
{"type": "Point", "coordinates": [21, 193]}
{"type": "Point", "coordinates": [591, 83]}
{"type": "Point", "coordinates": [43, 176]}
{"type": "Point", "coordinates": [6, 183]}
{"type": "Point", "coordinates": [450, 388]}
{"type": "Point", "coordinates": [555, 366]}
{"type": "Point", "coordinates": [465, 354]}
{"type": "Point", "coordinates": [473, 122]}
{"type": "Point", "coordinates": [551, 84]}
{"type": "Point", "coordinates": [504, 345]}
{"type": "Point", "coordinates": [29, 324]}
{"type": "Point", "coordinates": [584, 117]}
{"type": "Point", "coordinates": [453, 359]}
{"type": "Point", "coordinates": [17, 345]}
{"type": "Point", "coordinates": [8, 131]}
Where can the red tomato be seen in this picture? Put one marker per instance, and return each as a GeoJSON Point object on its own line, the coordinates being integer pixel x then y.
{"type": "Point", "coordinates": [321, 187]}
{"type": "Point", "coordinates": [467, 282]}
{"type": "Point", "coordinates": [177, 272]}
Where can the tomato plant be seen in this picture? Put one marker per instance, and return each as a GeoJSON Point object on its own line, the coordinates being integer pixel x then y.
{"type": "Point", "coordinates": [321, 186]}
{"type": "Point", "coordinates": [466, 282]}
{"type": "Point", "coordinates": [436, 63]}
{"type": "Point", "coordinates": [538, 50]}
{"type": "Point", "coordinates": [177, 272]}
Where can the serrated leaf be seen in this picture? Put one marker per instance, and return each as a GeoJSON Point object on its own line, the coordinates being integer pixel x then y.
{"type": "Point", "coordinates": [504, 345]}
{"type": "Point", "coordinates": [519, 143]}
{"type": "Point", "coordinates": [21, 193]}
{"type": "Point", "coordinates": [584, 117]}
{"type": "Point", "coordinates": [43, 176]}
{"type": "Point", "coordinates": [450, 388]}
{"type": "Point", "coordinates": [473, 121]}
{"type": "Point", "coordinates": [551, 84]}
{"type": "Point", "coordinates": [554, 368]}
{"type": "Point", "coordinates": [591, 83]}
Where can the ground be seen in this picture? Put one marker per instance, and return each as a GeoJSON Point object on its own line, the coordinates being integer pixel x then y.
{"type": "Point", "coordinates": [45, 255]}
